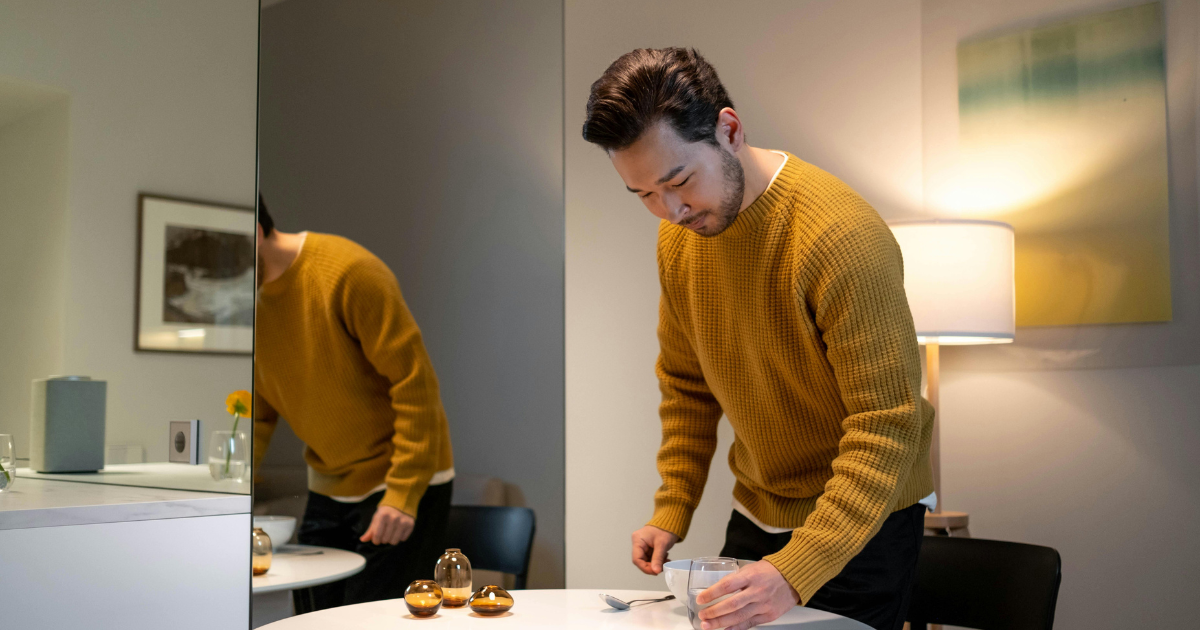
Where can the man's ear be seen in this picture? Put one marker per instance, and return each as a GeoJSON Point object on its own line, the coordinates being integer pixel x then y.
{"type": "Point", "coordinates": [729, 130]}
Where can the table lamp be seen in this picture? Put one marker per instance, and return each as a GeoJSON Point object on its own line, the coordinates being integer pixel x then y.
{"type": "Point", "coordinates": [958, 275]}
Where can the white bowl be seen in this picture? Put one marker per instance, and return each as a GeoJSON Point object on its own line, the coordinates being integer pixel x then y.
{"type": "Point", "coordinates": [280, 529]}
{"type": "Point", "coordinates": [675, 573]}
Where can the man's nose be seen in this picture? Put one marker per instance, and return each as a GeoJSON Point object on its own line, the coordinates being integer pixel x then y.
{"type": "Point", "coordinates": [678, 209]}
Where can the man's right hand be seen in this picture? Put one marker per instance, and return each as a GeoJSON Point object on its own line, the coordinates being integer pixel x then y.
{"type": "Point", "coordinates": [650, 546]}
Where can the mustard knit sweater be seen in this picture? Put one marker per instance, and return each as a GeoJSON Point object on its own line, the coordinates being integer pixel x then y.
{"type": "Point", "coordinates": [794, 324]}
{"type": "Point", "coordinates": [339, 356]}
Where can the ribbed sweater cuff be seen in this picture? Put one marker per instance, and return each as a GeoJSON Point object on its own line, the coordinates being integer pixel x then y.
{"type": "Point", "coordinates": [804, 567]}
{"type": "Point", "coordinates": [672, 517]}
{"type": "Point", "coordinates": [403, 499]}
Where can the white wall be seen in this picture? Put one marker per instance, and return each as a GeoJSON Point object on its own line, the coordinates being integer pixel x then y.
{"type": "Point", "coordinates": [431, 133]}
{"type": "Point", "coordinates": [837, 84]}
{"type": "Point", "coordinates": [33, 234]}
{"type": "Point", "coordinates": [162, 99]}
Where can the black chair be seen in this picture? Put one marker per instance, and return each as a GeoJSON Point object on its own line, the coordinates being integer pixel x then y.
{"type": "Point", "coordinates": [494, 538]}
{"type": "Point", "coordinates": [985, 584]}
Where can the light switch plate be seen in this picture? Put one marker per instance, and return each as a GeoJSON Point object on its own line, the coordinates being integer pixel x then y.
{"type": "Point", "coordinates": [184, 447]}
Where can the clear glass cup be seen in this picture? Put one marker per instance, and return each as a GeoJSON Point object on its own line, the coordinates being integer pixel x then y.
{"type": "Point", "coordinates": [8, 463]}
{"type": "Point", "coordinates": [703, 573]}
{"type": "Point", "coordinates": [229, 456]}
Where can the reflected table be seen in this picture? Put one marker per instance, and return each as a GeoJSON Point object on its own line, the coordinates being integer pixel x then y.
{"type": "Point", "coordinates": [573, 608]}
{"type": "Point", "coordinates": [298, 568]}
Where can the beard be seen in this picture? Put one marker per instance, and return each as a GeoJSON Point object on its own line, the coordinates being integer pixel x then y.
{"type": "Point", "coordinates": [732, 193]}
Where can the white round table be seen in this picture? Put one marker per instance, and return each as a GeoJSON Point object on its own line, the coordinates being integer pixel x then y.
{"type": "Point", "coordinates": [574, 608]}
{"type": "Point", "coordinates": [295, 567]}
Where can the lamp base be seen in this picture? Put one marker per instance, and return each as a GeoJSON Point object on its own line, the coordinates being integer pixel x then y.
{"type": "Point", "coordinates": [947, 524]}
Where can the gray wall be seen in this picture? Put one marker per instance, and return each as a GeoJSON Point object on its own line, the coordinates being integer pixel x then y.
{"type": "Point", "coordinates": [161, 98]}
{"type": "Point", "coordinates": [431, 133]}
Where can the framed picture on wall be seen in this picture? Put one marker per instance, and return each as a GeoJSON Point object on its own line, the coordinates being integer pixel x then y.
{"type": "Point", "coordinates": [195, 277]}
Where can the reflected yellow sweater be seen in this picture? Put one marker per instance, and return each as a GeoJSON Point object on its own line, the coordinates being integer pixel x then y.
{"type": "Point", "coordinates": [339, 356]}
{"type": "Point", "coordinates": [794, 324]}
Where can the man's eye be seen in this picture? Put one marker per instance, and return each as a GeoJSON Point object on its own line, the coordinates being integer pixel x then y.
{"type": "Point", "coordinates": [685, 180]}
{"type": "Point", "coordinates": [645, 195]}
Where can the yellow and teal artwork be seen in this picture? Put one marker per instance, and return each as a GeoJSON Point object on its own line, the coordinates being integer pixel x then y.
{"type": "Point", "coordinates": [1063, 134]}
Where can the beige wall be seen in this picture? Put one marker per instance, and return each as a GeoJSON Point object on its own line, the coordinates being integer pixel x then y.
{"type": "Point", "coordinates": [162, 99]}
{"type": "Point", "coordinates": [1097, 463]}
{"type": "Point", "coordinates": [836, 83]}
{"type": "Point", "coordinates": [33, 234]}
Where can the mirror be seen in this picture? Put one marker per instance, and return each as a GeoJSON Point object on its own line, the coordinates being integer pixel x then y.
{"type": "Point", "coordinates": [426, 136]}
{"type": "Point", "coordinates": [127, 185]}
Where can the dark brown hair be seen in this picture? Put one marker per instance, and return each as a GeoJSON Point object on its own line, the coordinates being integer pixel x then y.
{"type": "Point", "coordinates": [647, 85]}
{"type": "Point", "coordinates": [264, 217]}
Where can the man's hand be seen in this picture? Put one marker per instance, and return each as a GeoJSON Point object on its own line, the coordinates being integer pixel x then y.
{"type": "Point", "coordinates": [389, 526]}
{"type": "Point", "coordinates": [650, 546]}
{"type": "Point", "coordinates": [764, 596]}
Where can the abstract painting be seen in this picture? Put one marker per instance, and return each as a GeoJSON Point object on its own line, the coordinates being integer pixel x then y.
{"type": "Point", "coordinates": [1063, 135]}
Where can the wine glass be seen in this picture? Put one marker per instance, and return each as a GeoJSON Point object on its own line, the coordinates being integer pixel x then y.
{"type": "Point", "coordinates": [8, 463]}
{"type": "Point", "coordinates": [705, 572]}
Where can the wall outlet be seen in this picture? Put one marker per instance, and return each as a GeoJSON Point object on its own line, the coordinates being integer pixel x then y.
{"type": "Point", "coordinates": [184, 446]}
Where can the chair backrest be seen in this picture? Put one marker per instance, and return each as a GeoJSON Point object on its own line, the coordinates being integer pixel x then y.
{"type": "Point", "coordinates": [494, 538]}
{"type": "Point", "coordinates": [985, 584]}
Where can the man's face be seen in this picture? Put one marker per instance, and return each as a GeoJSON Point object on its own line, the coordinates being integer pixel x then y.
{"type": "Point", "coordinates": [693, 184]}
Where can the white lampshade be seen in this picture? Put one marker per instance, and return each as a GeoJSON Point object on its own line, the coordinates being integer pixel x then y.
{"type": "Point", "coordinates": [959, 279]}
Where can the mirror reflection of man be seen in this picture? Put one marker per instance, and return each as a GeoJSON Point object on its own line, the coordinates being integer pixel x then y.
{"type": "Point", "coordinates": [340, 358]}
{"type": "Point", "coordinates": [782, 308]}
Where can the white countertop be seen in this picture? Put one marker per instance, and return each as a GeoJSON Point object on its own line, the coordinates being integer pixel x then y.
{"type": "Point", "coordinates": [300, 566]}
{"type": "Point", "coordinates": [156, 475]}
{"type": "Point", "coordinates": [575, 608]}
{"type": "Point", "coordinates": [48, 503]}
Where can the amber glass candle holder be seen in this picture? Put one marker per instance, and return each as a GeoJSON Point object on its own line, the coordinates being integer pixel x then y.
{"type": "Point", "coordinates": [260, 552]}
{"type": "Point", "coordinates": [423, 598]}
{"type": "Point", "coordinates": [491, 600]}
{"type": "Point", "coordinates": [453, 573]}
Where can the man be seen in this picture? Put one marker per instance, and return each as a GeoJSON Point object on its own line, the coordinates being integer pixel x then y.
{"type": "Point", "coordinates": [338, 355]}
{"type": "Point", "coordinates": [782, 307]}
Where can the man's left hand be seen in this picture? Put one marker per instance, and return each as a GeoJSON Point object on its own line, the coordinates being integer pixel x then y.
{"type": "Point", "coordinates": [764, 596]}
{"type": "Point", "coordinates": [388, 527]}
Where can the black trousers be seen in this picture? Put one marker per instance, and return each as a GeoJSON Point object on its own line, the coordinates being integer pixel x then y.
{"type": "Point", "coordinates": [873, 588]}
{"type": "Point", "coordinates": [390, 568]}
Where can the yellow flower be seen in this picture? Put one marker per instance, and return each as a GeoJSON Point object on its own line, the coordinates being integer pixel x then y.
{"type": "Point", "coordinates": [238, 403]}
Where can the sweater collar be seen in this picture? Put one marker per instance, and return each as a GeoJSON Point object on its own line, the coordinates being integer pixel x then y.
{"type": "Point", "coordinates": [280, 285]}
{"type": "Point", "coordinates": [748, 220]}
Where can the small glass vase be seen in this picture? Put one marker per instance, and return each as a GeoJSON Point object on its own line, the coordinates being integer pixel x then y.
{"type": "Point", "coordinates": [8, 463]}
{"type": "Point", "coordinates": [260, 551]}
{"type": "Point", "coordinates": [453, 573]}
{"type": "Point", "coordinates": [229, 456]}
{"type": "Point", "coordinates": [423, 598]}
{"type": "Point", "coordinates": [490, 601]}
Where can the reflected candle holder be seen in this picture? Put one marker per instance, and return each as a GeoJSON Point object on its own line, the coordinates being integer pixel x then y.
{"type": "Point", "coordinates": [453, 573]}
{"type": "Point", "coordinates": [260, 552]}
{"type": "Point", "coordinates": [491, 600]}
{"type": "Point", "coordinates": [423, 598]}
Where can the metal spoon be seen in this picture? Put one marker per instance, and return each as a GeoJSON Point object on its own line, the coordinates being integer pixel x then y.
{"type": "Point", "coordinates": [624, 605]}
